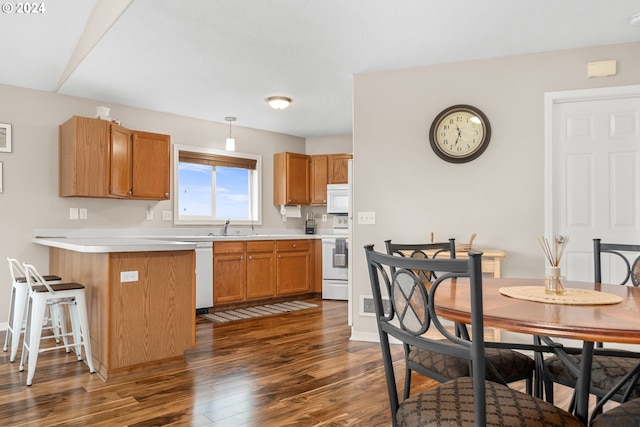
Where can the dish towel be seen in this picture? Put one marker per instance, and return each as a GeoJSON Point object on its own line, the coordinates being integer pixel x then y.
{"type": "Point", "coordinates": [340, 253]}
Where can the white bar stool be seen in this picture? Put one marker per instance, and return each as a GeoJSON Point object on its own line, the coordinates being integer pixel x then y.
{"type": "Point", "coordinates": [17, 304]}
{"type": "Point", "coordinates": [63, 294]}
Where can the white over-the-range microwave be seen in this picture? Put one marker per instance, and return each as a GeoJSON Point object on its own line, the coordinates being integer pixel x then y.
{"type": "Point", "coordinates": [338, 199]}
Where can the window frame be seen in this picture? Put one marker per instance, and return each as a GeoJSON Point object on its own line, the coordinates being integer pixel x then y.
{"type": "Point", "coordinates": [255, 187]}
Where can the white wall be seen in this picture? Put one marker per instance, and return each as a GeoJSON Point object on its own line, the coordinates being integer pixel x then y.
{"type": "Point", "coordinates": [499, 196]}
{"type": "Point", "coordinates": [329, 144]}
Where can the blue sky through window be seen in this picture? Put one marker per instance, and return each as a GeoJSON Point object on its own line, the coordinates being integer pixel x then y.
{"type": "Point", "coordinates": [232, 193]}
{"type": "Point", "coordinates": [196, 195]}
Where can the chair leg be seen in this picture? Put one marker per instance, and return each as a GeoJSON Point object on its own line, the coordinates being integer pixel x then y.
{"type": "Point", "coordinates": [21, 295]}
{"type": "Point", "coordinates": [59, 324]}
{"type": "Point", "coordinates": [12, 303]}
{"type": "Point", "coordinates": [36, 317]}
{"type": "Point", "coordinates": [76, 330]}
{"type": "Point", "coordinates": [529, 386]}
{"type": "Point", "coordinates": [407, 382]}
{"type": "Point", "coordinates": [548, 390]}
{"type": "Point", "coordinates": [26, 343]}
{"type": "Point", "coordinates": [84, 328]}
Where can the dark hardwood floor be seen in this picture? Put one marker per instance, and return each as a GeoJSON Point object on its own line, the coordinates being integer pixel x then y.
{"type": "Point", "coordinates": [295, 369]}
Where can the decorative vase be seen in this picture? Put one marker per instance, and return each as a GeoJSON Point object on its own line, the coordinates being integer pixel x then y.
{"type": "Point", "coordinates": [554, 283]}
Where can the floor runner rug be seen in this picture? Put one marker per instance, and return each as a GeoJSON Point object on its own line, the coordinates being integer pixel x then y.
{"type": "Point", "coordinates": [257, 311]}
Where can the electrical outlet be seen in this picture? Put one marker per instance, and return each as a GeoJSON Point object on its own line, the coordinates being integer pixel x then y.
{"type": "Point", "coordinates": [149, 214]}
{"type": "Point", "coordinates": [73, 213]}
{"type": "Point", "coordinates": [366, 217]}
{"type": "Point", "coordinates": [324, 218]}
{"type": "Point", "coordinates": [166, 215]}
{"type": "Point", "coordinates": [128, 276]}
{"type": "Point", "coordinates": [83, 213]}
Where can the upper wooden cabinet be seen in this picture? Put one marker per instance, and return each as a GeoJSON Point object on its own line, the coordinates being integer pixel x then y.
{"type": "Point", "coordinates": [318, 189]}
{"type": "Point", "coordinates": [300, 179]}
{"type": "Point", "coordinates": [338, 168]}
{"type": "Point", "coordinates": [151, 165]}
{"type": "Point", "coordinates": [101, 159]}
{"type": "Point", "coordinates": [291, 179]}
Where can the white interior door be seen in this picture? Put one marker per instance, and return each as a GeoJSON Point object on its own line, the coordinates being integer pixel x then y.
{"type": "Point", "coordinates": [592, 172]}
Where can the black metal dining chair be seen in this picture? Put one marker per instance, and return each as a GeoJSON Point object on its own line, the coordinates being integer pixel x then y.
{"type": "Point", "coordinates": [464, 401]}
{"type": "Point", "coordinates": [507, 365]}
{"type": "Point", "coordinates": [614, 373]}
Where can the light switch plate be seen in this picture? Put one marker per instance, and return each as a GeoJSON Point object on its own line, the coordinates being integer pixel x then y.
{"type": "Point", "coordinates": [83, 213]}
{"type": "Point", "coordinates": [166, 215]}
{"type": "Point", "coordinates": [73, 213]}
{"type": "Point", "coordinates": [366, 217]}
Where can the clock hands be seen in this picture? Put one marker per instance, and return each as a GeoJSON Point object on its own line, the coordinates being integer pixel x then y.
{"type": "Point", "coordinates": [459, 135]}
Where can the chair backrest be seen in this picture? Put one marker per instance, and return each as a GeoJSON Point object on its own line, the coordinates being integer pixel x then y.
{"type": "Point", "coordinates": [411, 312]}
{"type": "Point", "coordinates": [35, 279]}
{"type": "Point", "coordinates": [422, 250]}
{"type": "Point", "coordinates": [623, 253]}
{"type": "Point", "coordinates": [15, 269]}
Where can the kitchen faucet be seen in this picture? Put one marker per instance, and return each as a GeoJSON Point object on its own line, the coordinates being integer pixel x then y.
{"type": "Point", "coordinates": [226, 226]}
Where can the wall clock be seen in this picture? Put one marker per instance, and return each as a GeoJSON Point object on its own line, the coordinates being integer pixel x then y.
{"type": "Point", "coordinates": [460, 134]}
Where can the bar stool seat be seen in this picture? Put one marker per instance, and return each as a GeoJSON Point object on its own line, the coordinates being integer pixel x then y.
{"type": "Point", "coordinates": [17, 305]}
{"type": "Point", "coordinates": [69, 295]}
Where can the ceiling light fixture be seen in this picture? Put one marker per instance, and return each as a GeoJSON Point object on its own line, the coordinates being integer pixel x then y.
{"type": "Point", "coordinates": [278, 102]}
{"type": "Point", "coordinates": [230, 145]}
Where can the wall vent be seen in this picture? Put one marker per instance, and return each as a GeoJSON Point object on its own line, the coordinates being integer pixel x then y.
{"type": "Point", "coordinates": [367, 308]}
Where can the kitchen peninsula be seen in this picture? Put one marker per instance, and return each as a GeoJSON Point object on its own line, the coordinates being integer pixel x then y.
{"type": "Point", "coordinates": [140, 298]}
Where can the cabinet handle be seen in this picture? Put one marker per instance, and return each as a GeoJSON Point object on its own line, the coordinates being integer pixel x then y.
{"type": "Point", "coordinates": [250, 257]}
{"type": "Point", "coordinates": [166, 195]}
{"type": "Point", "coordinates": [294, 245]}
{"type": "Point", "coordinates": [279, 256]}
{"type": "Point", "coordinates": [130, 192]}
{"type": "Point", "coordinates": [241, 257]}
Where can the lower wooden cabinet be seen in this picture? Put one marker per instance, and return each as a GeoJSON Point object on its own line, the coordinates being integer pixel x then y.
{"type": "Point", "coordinates": [262, 269]}
{"type": "Point", "coordinates": [294, 263]}
{"type": "Point", "coordinates": [229, 272]}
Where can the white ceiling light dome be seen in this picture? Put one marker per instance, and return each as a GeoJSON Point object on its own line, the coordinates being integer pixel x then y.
{"type": "Point", "coordinates": [278, 102]}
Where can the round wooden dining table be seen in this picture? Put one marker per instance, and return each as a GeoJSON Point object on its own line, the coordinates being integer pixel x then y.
{"type": "Point", "coordinates": [615, 323]}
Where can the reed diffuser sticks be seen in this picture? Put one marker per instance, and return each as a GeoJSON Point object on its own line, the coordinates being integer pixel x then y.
{"type": "Point", "coordinates": [554, 256]}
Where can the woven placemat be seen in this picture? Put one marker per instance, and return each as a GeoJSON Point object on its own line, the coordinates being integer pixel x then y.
{"type": "Point", "coordinates": [572, 297]}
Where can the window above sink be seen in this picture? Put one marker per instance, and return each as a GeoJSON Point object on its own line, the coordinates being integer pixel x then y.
{"type": "Point", "coordinates": [214, 186]}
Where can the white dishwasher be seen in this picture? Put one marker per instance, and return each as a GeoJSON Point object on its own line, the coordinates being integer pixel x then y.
{"type": "Point", "coordinates": [204, 275]}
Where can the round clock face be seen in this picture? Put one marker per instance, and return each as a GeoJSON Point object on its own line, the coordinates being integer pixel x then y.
{"type": "Point", "coordinates": [460, 134]}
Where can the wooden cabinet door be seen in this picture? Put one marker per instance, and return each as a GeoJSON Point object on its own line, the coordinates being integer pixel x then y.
{"type": "Point", "coordinates": [338, 168]}
{"type": "Point", "coordinates": [291, 179]}
{"type": "Point", "coordinates": [229, 272]}
{"type": "Point", "coordinates": [120, 161]}
{"type": "Point", "coordinates": [83, 158]}
{"type": "Point", "coordinates": [151, 165]}
{"type": "Point", "coordinates": [293, 266]}
{"type": "Point", "coordinates": [261, 269]}
{"type": "Point", "coordinates": [318, 188]}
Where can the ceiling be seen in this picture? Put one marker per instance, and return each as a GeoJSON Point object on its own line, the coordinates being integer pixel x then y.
{"type": "Point", "coordinates": [210, 59]}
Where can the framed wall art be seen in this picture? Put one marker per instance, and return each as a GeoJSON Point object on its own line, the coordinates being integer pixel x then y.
{"type": "Point", "coordinates": [5, 137]}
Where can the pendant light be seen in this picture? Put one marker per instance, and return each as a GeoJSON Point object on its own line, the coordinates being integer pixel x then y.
{"type": "Point", "coordinates": [231, 142]}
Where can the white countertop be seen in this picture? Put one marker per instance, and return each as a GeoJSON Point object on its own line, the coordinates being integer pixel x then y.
{"type": "Point", "coordinates": [104, 244]}
{"type": "Point", "coordinates": [112, 244]}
